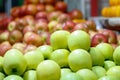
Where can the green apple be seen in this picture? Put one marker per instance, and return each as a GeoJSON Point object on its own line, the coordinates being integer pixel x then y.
{"type": "Point", "coordinates": [97, 56]}
{"type": "Point", "coordinates": [60, 56]}
{"type": "Point", "coordinates": [79, 39]}
{"type": "Point", "coordinates": [108, 78]}
{"type": "Point", "coordinates": [59, 39]}
{"type": "Point", "coordinates": [48, 70]}
{"type": "Point", "coordinates": [71, 76]}
{"type": "Point", "coordinates": [79, 59]}
{"type": "Point", "coordinates": [13, 77]}
{"type": "Point", "coordinates": [33, 58]}
{"type": "Point", "coordinates": [87, 74]}
{"type": "Point", "coordinates": [2, 76]}
{"type": "Point", "coordinates": [114, 71]}
{"type": "Point", "coordinates": [108, 64]}
{"type": "Point", "coordinates": [1, 64]}
{"type": "Point", "coordinates": [46, 50]}
{"type": "Point", "coordinates": [107, 50]}
{"type": "Point", "coordinates": [116, 55]}
{"type": "Point", "coordinates": [14, 62]}
{"type": "Point", "coordinates": [51, 25]}
{"type": "Point", "coordinates": [99, 71]}
{"type": "Point", "coordinates": [30, 75]}
{"type": "Point", "coordinates": [65, 71]}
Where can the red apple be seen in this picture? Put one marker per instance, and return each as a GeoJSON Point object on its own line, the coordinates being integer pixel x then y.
{"type": "Point", "coordinates": [54, 15]}
{"type": "Point", "coordinates": [29, 47]}
{"type": "Point", "coordinates": [41, 20]}
{"type": "Point", "coordinates": [31, 9]}
{"type": "Point", "coordinates": [41, 26]}
{"type": "Point", "coordinates": [76, 14]}
{"type": "Point", "coordinates": [23, 9]}
{"type": "Point", "coordinates": [63, 18]}
{"type": "Point", "coordinates": [58, 26]}
{"type": "Point", "coordinates": [28, 28]}
{"type": "Point", "coordinates": [111, 35]}
{"type": "Point", "coordinates": [6, 21]}
{"type": "Point", "coordinates": [31, 1]}
{"type": "Point", "coordinates": [46, 37]}
{"type": "Point", "coordinates": [15, 36]}
{"type": "Point", "coordinates": [68, 25]}
{"type": "Point", "coordinates": [19, 45]}
{"type": "Point", "coordinates": [4, 46]}
{"type": "Point", "coordinates": [98, 38]}
{"type": "Point", "coordinates": [40, 7]}
{"type": "Point", "coordinates": [15, 12]}
{"type": "Point", "coordinates": [49, 8]}
{"type": "Point", "coordinates": [32, 38]}
{"type": "Point", "coordinates": [61, 6]}
{"type": "Point", "coordinates": [50, 2]}
{"type": "Point", "coordinates": [29, 19]}
{"type": "Point", "coordinates": [91, 25]}
{"type": "Point", "coordinates": [41, 15]}
{"type": "Point", "coordinates": [81, 26]}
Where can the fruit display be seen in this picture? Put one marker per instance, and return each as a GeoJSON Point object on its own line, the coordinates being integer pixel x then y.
{"type": "Point", "coordinates": [44, 42]}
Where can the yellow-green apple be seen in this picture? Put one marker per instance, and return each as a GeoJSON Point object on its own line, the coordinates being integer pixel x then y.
{"type": "Point", "coordinates": [98, 38]}
{"type": "Point", "coordinates": [30, 75]}
{"type": "Point", "coordinates": [32, 38]}
{"type": "Point", "coordinates": [107, 77]}
{"type": "Point", "coordinates": [65, 71]}
{"type": "Point", "coordinates": [108, 64]}
{"type": "Point", "coordinates": [111, 35]}
{"type": "Point", "coordinates": [63, 18]}
{"type": "Point", "coordinates": [114, 71]}
{"type": "Point", "coordinates": [97, 56]}
{"type": "Point", "coordinates": [19, 45]}
{"type": "Point", "coordinates": [81, 26]}
{"type": "Point", "coordinates": [71, 76]}
{"type": "Point", "coordinates": [29, 47]}
{"type": "Point", "coordinates": [49, 8]}
{"type": "Point", "coordinates": [2, 76]}
{"type": "Point", "coordinates": [4, 36]}
{"type": "Point", "coordinates": [106, 49]}
{"type": "Point", "coordinates": [59, 39]}
{"type": "Point", "coordinates": [76, 14]}
{"type": "Point", "coordinates": [1, 64]}
{"type": "Point", "coordinates": [48, 70]}
{"type": "Point", "coordinates": [69, 25]}
{"type": "Point", "coordinates": [4, 46]}
{"type": "Point", "coordinates": [15, 36]}
{"type": "Point", "coordinates": [13, 77]}
{"type": "Point", "coordinates": [116, 55]}
{"type": "Point", "coordinates": [46, 50]}
{"type": "Point", "coordinates": [12, 26]}
{"type": "Point", "coordinates": [79, 59]}
{"type": "Point", "coordinates": [99, 71]}
{"type": "Point", "coordinates": [33, 58]}
{"type": "Point", "coordinates": [87, 74]}
{"type": "Point", "coordinates": [51, 26]}
{"type": "Point", "coordinates": [61, 6]}
{"type": "Point", "coordinates": [79, 40]}
{"type": "Point", "coordinates": [14, 62]}
{"type": "Point", "coordinates": [60, 56]}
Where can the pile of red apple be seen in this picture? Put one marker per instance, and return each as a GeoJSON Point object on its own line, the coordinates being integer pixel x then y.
{"type": "Point", "coordinates": [42, 41]}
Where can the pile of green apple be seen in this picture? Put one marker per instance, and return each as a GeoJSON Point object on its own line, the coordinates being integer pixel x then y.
{"type": "Point", "coordinates": [68, 57]}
